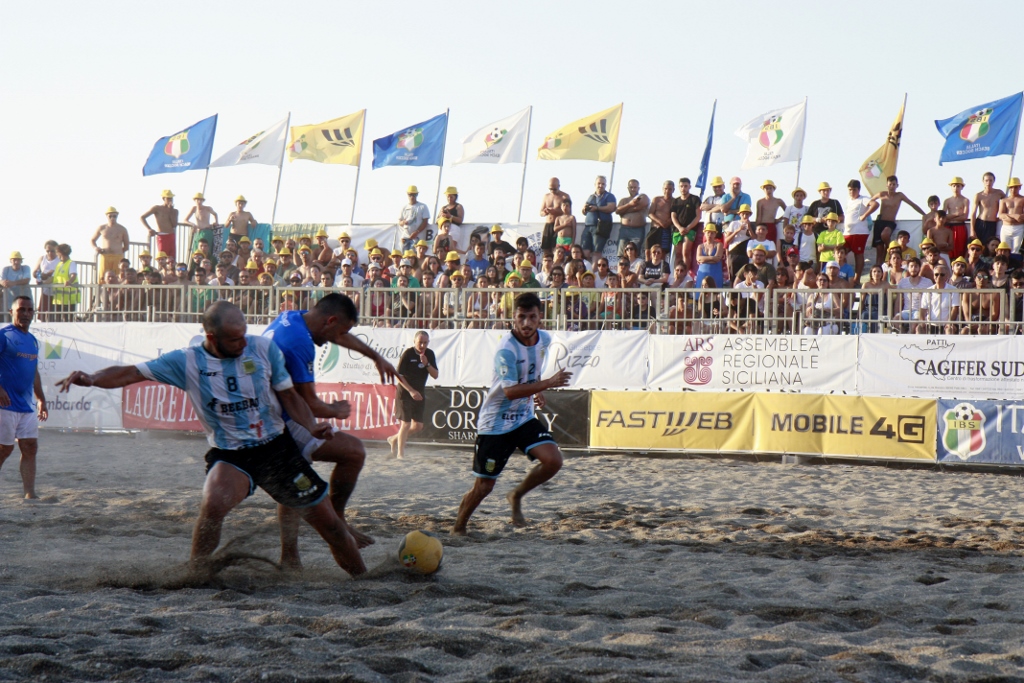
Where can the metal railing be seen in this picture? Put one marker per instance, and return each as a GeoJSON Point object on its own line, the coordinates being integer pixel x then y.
{"type": "Point", "coordinates": [670, 311]}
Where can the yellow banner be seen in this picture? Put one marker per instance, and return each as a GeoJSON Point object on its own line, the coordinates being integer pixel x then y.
{"type": "Point", "coordinates": [647, 420]}
{"type": "Point", "coordinates": [595, 137]}
{"type": "Point", "coordinates": [882, 163]}
{"type": "Point", "coordinates": [899, 428]}
{"type": "Point", "coordinates": [338, 141]}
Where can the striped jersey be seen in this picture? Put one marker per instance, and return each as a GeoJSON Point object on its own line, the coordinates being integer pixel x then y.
{"type": "Point", "coordinates": [233, 397]}
{"type": "Point", "coordinates": [513, 364]}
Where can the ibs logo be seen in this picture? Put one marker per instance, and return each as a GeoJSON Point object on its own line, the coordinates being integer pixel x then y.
{"type": "Point", "coordinates": [771, 132]}
{"type": "Point", "coordinates": [976, 126]}
{"type": "Point", "coordinates": [698, 370]}
{"type": "Point", "coordinates": [963, 432]}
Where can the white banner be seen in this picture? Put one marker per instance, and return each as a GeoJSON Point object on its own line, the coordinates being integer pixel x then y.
{"type": "Point", "coordinates": [336, 364]}
{"type": "Point", "coordinates": [941, 366]}
{"type": "Point", "coordinates": [600, 360]}
{"type": "Point", "coordinates": [801, 364]}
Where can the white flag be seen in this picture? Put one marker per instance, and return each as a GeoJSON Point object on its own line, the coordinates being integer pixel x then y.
{"type": "Point", "coordinates": [265, 147]}
{"type": "Point", "coordinates": [775, 137]}
{"type": "Point", "coordinates": [501, 142]}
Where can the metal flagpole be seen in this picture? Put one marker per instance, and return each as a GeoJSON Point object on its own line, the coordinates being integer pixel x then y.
{"type": "Point", "coordinates": [526, 157]}
{"type": "Point", "coordinates": [611, 177]}
{"type": "Point", "coordinates": [1013, 156]}
{"type": "Point", "coordinates": [359, 167]}
{"type": "Point", "coordinates": [440, 167]}
{"type": "Point", "coordinates": [206, 177]}
{"type": "Point", "coordinates": [803, 136]}
{"type": "Point", "coordinates": [280, 167]}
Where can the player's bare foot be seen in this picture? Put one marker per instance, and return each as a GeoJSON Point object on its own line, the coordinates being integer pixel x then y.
{"type": "Point", "coordinates": [31, 496]}
{"type": "Point", "coordinates": [459, 531]}
{"type": "Point", "coordinates": [393, 442]}
{"type": "Point", "coordinates": [362, 540]}
{"type": "Point", "coordinates": [517, 510]}
{"type": "Point", "coordinates": [293, 565]}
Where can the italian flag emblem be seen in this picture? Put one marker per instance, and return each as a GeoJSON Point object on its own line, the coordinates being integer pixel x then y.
{"type": "Point", "coordinates": [976, 126]}
{"type": "Point", "coordinates": [177, 145]}
{"type": "Point", "coordinates": [964, 431]}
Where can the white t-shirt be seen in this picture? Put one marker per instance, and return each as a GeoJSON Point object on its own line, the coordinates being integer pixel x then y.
{"type": "Point", "coordinates": [413, 215]}
{"type": "Point", "coordinates": [768, 245]}
{"type": "Point", "coordinates": [912, 302]}
{"type": "Point", "coordinates": [854, 209]}
{"type": "Point", "coordinates": [808, 246]}
{"type": "Point", "coordinates": [939, 304]}
{"type": "Point", "coordinates": [793, 215]}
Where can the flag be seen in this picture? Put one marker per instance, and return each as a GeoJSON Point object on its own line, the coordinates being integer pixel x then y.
{"type": "Point", "coordinates": [882, 162]}
{"type": "Point", "coordinates": [987, 130]}
{"type": "Point", "coordinates": [338, 141]}
{"type": "Point", "coordinates": [265, 147]}
{"type": "Point", "coordinates": [184, 151]}
{"type": "Point", "coordinates": [775, 137]}
{"type": "Point", "coordinates": [420, 144]}
{"type": "Point", "coordinates": [705, 161]}
{"type": "Point", "coordinates": [964, 431]}
{"type": "Point", "coordinates": [595, 137]}
{"type": "Point", "coordinates": [501, 142]}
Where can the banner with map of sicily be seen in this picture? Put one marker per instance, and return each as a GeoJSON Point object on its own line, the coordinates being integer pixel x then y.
{"type": "Point", "coordinates": [956, 367]}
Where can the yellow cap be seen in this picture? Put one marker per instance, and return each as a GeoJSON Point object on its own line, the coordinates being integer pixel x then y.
{"type": "Point", "coordinates": [716, 181]}
{"type": "Point", "coordinates": [957, 180]}
{"type": "Point", "coordinates": [1014, 182]}
{"type": "Point", "coordinates": [320, 233]}
{"type": "Point", "coordinates": [496, 228]}
{"type": "Point", "coordinates": [110, 210]}
{"type": "Point", "coordinates": [451, 190]}
{"type": "Point", "coordinates": [370, 243]}
{"type": "Point", "coordinates": [285, 252]}
{"type": "Point", "coordinates": [344, 236]}
{"type": "Point", "coordinates": [412, 189]}
{"type": "Point", "coordinates": [161, 254]}
{"type": "Point", "coordinates": [245, 240]}
{"type": "Point", "coordinates": [276, 238]}
{"type": "Point", "coordinates": [198, 195]}
{"type": "Point", "coordinates": [144, 252]}
{"type": "Point", "coordinates": [305, 248]}
{"type": "Point", "coordinates": [744, 208]}
{"type": "Point", "coordinates": [308, 238]}
{"type": "Point", "coordinates": [514, 274]}
{"type": "Point", "coordinates": [824, 186]}
{"type": "Point", "coordinates": [396, 252]}
{"type": "Point", "coordinates": [240, 198]}
{"type": "Point", "coordinates": [832, 216]}
{"type": "Point", "coordinates": [452, 256]}
{"type": "Point", "coordinates": [376, 252]}
{"type": "Point", "coordinates": [929, 241]}
{"type": "Point", "coordinates": [768, 183]}
{"type": "Point", "coordinates": [760, 246]}
{"type": "Point", "coordinates": [167, 194]}
{"type": "Point", "coordinates": [409, 253]}
{"type": "Point", "coordinates": [16, 254]}
{"type": "Point", "coordinates": [197, 252]}
{"type": "Point", "coordinates": [1002, 245]}
{"type": "Point", "coordinates": [443, 220]}
{"type": "Point", "coordinates": [797, 189]}
{"type": "Point", "coordinates": [269, 262]}
{"type": "Point", "coordinates": [894, 245]}
{"type": "Point", "coordinates": [959, 259]}
{"type": "Point", "coordinates": [252, 265]}
{"type": "Point", "coordinates": [422, 243]}
{"type": "Point", "coordinates": [806, 219]}
{"type": "Point", "coordinates": [972, 243]}
{"type": "Point", "coordinates": [710, 227]}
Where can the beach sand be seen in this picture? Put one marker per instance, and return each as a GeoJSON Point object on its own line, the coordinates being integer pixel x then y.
{"type": "Point", "coordinates": [633, 569]}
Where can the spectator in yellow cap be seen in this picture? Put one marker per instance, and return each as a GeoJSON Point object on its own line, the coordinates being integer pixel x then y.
{"type": "Point", "coordinates": [454, 212]}
{"type": "Point", "coordinates": [15, 279]}
{"type": "Point", "coordinates": [958, 211]}
{"type": "Point", "coordinates": [239, 221]}
{"type": "Point", "coordinates": [1011, 213]}
{"type": "Point", "coordinates": [767, 210]}
{"type": "Point", "coordinates": [202, 218]}
{"type": "Point", "coordinates": [110, 241]}
{"type": "Point", "coordinates": [166, 223]}
{"type": "Point", "coordinates": [823, 206]}
{"type": "Point", "coordinates": [712, 205]}
{"type": "Point", "coordinates": [412, 222]}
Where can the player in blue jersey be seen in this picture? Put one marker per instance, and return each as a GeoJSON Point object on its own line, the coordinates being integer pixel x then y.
{"type": "Point", "coordinates": [238, 385]}
{"type": "Point", "coordinates": [507, 420]}
{"type": "Point", "coordinates": [297, 334]}
{"type": "Point", "coordinates": [19, 380]}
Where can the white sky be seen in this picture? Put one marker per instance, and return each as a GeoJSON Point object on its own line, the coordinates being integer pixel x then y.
{"type": "Point", "coordinates": [88, 87]}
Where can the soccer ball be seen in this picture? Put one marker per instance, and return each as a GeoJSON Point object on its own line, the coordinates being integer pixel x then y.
{"type": "Point", "coordinates": [963, 412]}
{"type": "Point", "coordinates": [420, 552]}
{"type": "Point", "coordinates": [494, 136]}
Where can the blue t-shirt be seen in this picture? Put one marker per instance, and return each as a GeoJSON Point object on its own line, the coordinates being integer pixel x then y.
{"type": "Point", "coordinates": [744, 199]}
{"type": "Point", "coordinates": [19, 354]}
{"type": "Point", "coordinates": [595, 217]}
{"type": "Point", "coordinates": [479, 267]}
{"type": "Point", "coordinates": [291, 335]}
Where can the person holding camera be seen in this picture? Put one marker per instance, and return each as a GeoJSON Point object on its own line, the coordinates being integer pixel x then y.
{"type": "Point", "coordinates": [597, 211]}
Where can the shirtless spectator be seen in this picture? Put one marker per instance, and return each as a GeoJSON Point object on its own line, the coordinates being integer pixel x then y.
{"type": "Point", "coordinates": [205, 220]}
{"type": "Point", "coordinates": [768, 208]}
{"type": "Point", "coordinates": [685, 219]}
{"type": "Point", "coordinates": [550, 209]}
{"type": "Point", "coordinates": [166, 222]}
{"type": "Point", "coordinates": [889, 202]}
{"type": "Point", "coordinates": [110, 241]}
{"type": "Point", "coordinates": [1011, 213]}
{"type": "Point", "coordinates": [942, 237]}
{"type": "Point", "coordinates": [985, 223]}
{"type": "Point", "coordinates": [633, 214]}
{"type": "Point", "coordinates": [958, 212]}
{"type": "Point", "coordinates": [239, 221]}
{"type": "Point", "coordinates": [661, 216]}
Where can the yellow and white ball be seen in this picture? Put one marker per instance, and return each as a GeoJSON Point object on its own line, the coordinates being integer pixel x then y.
{"type": "Point", "coordinates": [420, 552]}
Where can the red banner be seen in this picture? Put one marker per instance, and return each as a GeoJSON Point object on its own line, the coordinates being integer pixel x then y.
{"type": "Point", "coordinates": [151, 405]}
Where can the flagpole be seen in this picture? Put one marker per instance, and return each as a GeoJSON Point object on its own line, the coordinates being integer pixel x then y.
{"type": "Point", "coordinates": [803, 136]}
{"type": "Point", "coordinates": [526, 158]}
{"type": "Point", "coordinates": [280, 167]}
{"type": "Point", "coordinates": [440, 167]}
{"type": "Point", "coordinates": [611, 177]}
{"type": "Point", "coordinates": [206, 177]}
{"type": "Point", "coordinates": [359, 167]}
{"type": "Point", "coordinates": [1013, 156]}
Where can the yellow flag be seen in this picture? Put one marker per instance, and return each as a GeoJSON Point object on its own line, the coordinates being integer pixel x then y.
{"type": "Point", "coordinates": [338, 141]}
{"type": "Point", "coordinates": [595, 137]}
{"type": "Point", "coordinates": [882, 163]}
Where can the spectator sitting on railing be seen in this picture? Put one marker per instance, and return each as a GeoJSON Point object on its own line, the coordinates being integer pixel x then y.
{"type": "Point", "coordinates": [941, 307]}
{"type": "Point", "coordinates": [981, 305]}
{"type": "Point", "coordinates": [821, 310]}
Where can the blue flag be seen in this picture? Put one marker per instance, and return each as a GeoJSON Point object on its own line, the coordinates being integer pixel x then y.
{"type": "Point", "coordinates": [987, 130]}
{"type": "Point", "coordinates": [705, 161]}
{"type": "Point", "coordinates": [421, 144]}
{"type": "Point", "coordinates": [184, 151]}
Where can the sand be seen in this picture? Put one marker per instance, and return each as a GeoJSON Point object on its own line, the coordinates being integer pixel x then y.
{"type": "Point", "coordinates": [633, 569]}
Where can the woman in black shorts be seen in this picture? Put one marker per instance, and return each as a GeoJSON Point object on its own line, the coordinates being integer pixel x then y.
{"type": "Point", "coordinates": [415, 365]}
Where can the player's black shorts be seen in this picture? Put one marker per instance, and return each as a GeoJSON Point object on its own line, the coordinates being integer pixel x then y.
{"type": "Point", "coordinates": [278, 468]}
{"type": "Point", "coordinates": [408, 410]}
{"type": "Point", "coordinates": [492, 451]}
{"type": "Point", "coordinates": [547, 237]}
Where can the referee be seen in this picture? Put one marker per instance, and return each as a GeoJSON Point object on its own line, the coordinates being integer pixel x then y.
{"type": "Point", "coordinates": [416, 364]}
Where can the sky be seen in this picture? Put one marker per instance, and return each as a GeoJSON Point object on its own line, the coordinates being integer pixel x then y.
{"type": "Point", "coordinates": [88, 88]}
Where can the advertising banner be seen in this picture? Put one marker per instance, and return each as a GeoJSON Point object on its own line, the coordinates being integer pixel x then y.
{"type": "Point", "coordinates": [336, 364]}
{"type": "Point", "coordinates": [451, 413]}
{"type": "Point", "coordinates": [844, 425]}
{"type": "Point", "coordinates": [808, 364]}
{"type": "Point", "coordinates": [600, 360]}
{"type": "Point", "coordinates": [651, 421]}
{"type": "Point", "coordinates": [372, 408]}
{"type": "Point", "coordinates": [151, 405]}
{"type": "Point", "coordinates": [978, 431]}
{"type": "Point", "coordinates": [972, 367]}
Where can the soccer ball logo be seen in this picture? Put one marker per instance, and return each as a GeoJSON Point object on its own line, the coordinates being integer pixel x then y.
{"type": "Point", "coordinates": [771, 132]}
{"type": "Point", "coordinates": [495, 136]}
{"type": "Point", "coordinates": [411, 139]}
{"type": "Point", "coordinates": [963, 412]}
{"type": "Point", "coordinates": [964, 431]}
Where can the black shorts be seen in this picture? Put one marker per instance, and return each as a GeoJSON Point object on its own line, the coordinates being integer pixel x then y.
{"type": "Point", "coordinates": [492, 451]}
{"type": "Point", "coordinates": [660, 237]}
{"type": "Point", "coordinates": [986, 230]}
{"type": "Point", "coordinates": [876, 234]}
{"type": "Point", "coordinates": [276, 467]}
{"type": "Point", "coordinates": [547, 237]}
{"type": "Point", "coordinates": [408, 410]}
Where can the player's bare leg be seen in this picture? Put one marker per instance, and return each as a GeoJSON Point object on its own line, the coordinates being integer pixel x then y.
{"type": "Point", "coordinates": [549, 461]}
{"type": "Point", "coordinates": [399, 440]}
{"type": "Point", "coordinates": [225, 488]}
{"type": "Point", "coordinates": [28, 448]}
{"type": "Point", "coordinates": [330, 527]}
{"type": "Point", "coordinates": [288, 522]}
{"type": "Point", "coordinates": [348, 454]}
{"type": "Point", "coordinates": [481, 489]}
